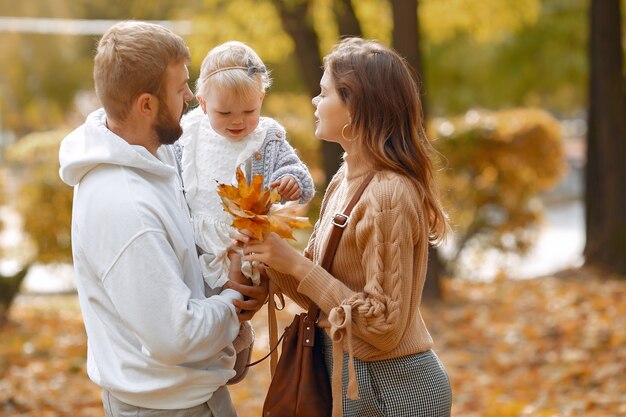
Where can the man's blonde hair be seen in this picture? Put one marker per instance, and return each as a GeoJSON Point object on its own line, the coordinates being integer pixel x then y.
{"type": "Point", "coordinates": [235, 66]}
{"type": "Point", "coordinates": [132, 59]}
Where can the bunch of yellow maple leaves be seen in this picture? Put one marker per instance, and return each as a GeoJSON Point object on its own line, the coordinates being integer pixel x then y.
{"type": "Point", "coordinates": [255, 208]}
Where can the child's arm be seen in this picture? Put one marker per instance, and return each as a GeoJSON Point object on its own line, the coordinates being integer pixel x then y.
{"type": "Point", "coordinates": [288, 165]}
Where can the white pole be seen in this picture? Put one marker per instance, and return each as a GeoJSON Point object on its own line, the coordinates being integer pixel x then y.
{"type": "Point", "coordinates": [77, 26]}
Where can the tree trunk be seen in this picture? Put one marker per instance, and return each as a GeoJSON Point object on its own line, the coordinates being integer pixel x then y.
{"type": "Point", "coordinates": [298, 23]}
{"type": "Point", "coordinates": [348, 25]}
{"type": "Point", "coordinates": [406, 40]}
{"type": "Point", "coordinates": [433, 286]}
{"type": "Point", "coordinates": [605, 179]}
{"type": "Point", "coordinates": [406, 36]}
{"type": "Point", "coordinates": [347, 21]}
{"type": "Point", "coordinates": [9, 288]}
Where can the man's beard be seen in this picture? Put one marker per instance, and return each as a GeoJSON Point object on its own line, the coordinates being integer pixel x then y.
{"type": "Point", "coordinates": [167, 128]}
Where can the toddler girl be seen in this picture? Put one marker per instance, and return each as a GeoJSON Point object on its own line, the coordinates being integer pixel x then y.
{"type": "Point", "coordinates": [224, 132]}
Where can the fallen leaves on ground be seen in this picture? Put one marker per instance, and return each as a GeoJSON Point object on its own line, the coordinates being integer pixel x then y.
{"type": "Point", "coordinates": [545, 347]}
{"type": "Point", "coordinates": [548, 347]}
{"type": "Point", "coordinates": [42, 360]}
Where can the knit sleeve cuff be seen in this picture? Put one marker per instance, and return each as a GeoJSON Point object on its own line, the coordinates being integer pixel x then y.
{"type": "Point", "coordinates": [323, 288]}
{"type": "Point", "coordinates": [289, 286]}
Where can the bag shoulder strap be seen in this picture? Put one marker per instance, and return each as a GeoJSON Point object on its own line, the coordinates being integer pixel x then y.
{"type": "Point", "coordinates": [339, 221]}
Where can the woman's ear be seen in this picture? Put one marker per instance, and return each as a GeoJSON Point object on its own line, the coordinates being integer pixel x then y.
{"type": "Point", "coordinates": [202, 103]}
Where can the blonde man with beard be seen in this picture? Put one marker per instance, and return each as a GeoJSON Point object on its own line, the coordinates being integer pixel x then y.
{"type": "Point", "coordinates": [159, 343]}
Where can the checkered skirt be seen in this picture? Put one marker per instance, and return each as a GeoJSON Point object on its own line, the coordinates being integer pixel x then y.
{"type": "Point", "coordinates": [410, 386]}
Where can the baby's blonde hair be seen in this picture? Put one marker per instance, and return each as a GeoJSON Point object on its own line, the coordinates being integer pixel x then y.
{"type": "Point", "coordinates": [235, 66]}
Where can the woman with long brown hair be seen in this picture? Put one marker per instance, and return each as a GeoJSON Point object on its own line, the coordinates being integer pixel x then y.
{"type": "Point", "coordinates": [370, 299]}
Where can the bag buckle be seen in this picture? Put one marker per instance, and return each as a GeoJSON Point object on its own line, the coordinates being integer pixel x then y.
{"type": "Point", "coordinates": [308, 332]}
{"type": "Point", "coordinates": [340, 220]}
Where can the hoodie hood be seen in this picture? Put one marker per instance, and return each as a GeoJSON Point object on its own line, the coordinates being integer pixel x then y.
{"type": "Point", "coordinates": [93, 144]}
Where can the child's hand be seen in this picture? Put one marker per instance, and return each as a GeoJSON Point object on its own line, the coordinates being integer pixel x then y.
{"type": "Point", "coordinates": [288, 187]}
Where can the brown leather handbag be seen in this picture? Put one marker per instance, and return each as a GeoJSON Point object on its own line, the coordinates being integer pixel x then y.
{"type": "Point", "coordinates": [300, 385]}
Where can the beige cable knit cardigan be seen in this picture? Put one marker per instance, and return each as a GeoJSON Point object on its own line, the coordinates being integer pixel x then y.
{"type": "Point", "coordinates": [371, 298]}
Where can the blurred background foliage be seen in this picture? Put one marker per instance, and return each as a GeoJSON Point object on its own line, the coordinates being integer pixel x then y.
{"type": "Point", "coordinates": [497, 163]}
{"type": "Point", "coordinates": [44, 201]}
{"type": "Point", "coordinates": [507, 85]}
{"type": "Point", "coordinates": [491, 54]}
{"type": "Point", "coordinates": [499, 55]}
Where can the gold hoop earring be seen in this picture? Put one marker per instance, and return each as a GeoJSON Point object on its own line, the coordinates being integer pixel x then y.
{"type": "Point", "coordinates": [343, 135]}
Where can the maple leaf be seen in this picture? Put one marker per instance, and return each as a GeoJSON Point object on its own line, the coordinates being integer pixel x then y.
{"type": "Point", "coordinates": [284, 218]}
{"type": "Point", "coordinates": [255, 208]}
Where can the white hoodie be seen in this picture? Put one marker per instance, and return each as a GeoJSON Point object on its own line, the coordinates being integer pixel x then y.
{"type": "Point", "coordinates": [154, 339]}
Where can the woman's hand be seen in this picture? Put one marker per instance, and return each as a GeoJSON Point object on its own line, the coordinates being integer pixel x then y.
{"type": "Point", "coordinates": [279, 255]}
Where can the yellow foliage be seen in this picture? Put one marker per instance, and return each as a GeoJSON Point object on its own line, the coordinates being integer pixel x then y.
{"type": "Point", "coordinates": [484, 21]}
{"type": "Point", "coordinates": [374, 16]}
{"type": "Point", "coordinates": [325, 24]}
{"type": "Point", "coordinates": [231, 19]}
{"type": "Point", "coordinates": [376, 19]}
{"type": "Point", "coordinates": [497, 163]}
{"type": "Point", "coordinates": [256, 23]}
{"type": "Point", "coordinates": [43, 200]}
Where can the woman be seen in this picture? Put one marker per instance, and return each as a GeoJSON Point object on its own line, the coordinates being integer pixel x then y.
{"type": "Point", "coordinates": [370, 300]}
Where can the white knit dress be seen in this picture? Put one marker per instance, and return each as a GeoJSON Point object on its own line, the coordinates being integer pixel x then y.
{"type": "Point", "coordinates": [208, 159]}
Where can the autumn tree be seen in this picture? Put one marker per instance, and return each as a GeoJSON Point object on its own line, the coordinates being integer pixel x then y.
{"type": "Point", "coordinates": [605, 182]}
{"type": "Point", "coordinates": [467, 46]}
{"type": "Point", "coordinates": [407, 41]}
{"type": "Point", "coordinates": [10, 281]}
{"type": "Point", "coordinates": [297, 21]}
{"type": "Point", "coordinates": [406, 37]}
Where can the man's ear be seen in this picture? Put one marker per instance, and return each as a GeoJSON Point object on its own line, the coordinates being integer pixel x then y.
{"type": "Point", "coordinates": [146, 104]}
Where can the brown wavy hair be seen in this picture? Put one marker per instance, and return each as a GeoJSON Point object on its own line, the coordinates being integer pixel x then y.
{"type": "Point", "coordinates": [382, 95]}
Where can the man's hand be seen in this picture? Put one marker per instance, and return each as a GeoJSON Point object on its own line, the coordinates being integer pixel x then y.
{"type": "Point", "coordinates": [254, 297]}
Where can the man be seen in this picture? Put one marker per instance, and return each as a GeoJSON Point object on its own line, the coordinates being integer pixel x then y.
{"type": "Point", "coordinates": [156, 344]}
